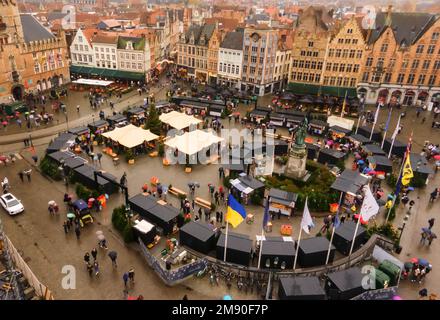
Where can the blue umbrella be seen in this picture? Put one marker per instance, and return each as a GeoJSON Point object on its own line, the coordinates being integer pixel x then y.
{"type": "Point", "coordinates": [426, 230]}
{"type": "Point", "coordinates": [227, 297]}
{"type": "Point", "coordinates": [423, 262]}
{"type": "Point", "coordinates": [361, 162]}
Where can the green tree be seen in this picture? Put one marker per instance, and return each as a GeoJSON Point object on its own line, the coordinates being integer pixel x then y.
{"type": "Point", "coordinates": [153, 123]}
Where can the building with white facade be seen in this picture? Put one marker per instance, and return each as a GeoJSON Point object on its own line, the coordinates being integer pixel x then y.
{"type": "Point", "coordinates": [230, 60]}
{"type": "Point", "coordinates": [105, 47]}
{"type": "Point", "coordinates": [81, 49]}
{"type": "Point", "coordinates": [133, 54]}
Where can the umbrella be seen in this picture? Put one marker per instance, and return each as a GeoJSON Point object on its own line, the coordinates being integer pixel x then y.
{"type": "Point", "coordinates": [70, 215]}
{"type": "Point", "coordinates": [101, 237]}
{"type": "Point", "coordinates": [423, 262]}
{"type": "Point", "coordinates": [426, 230]}
{"type": "Point", "coordinates": [227, 297]}
{"type": "Point", "coordinates": [5, 123]}
{"type": "Point", "coordinates": [51, 203]}
{"type": "Point", "coordinates": [361, 162]}
{"type": "Point", "coordinates": [99, 232]}
{"type": "Point", "coordinates": [397, 298]}
{"type": "Point", "coordinates": [112, 255]}
{"type": "Point", "coordinates": [437, 157]}
{"type": "Point", "coordinates": [414, 260]}
{"type": "Point", "coordinates": [356, 216]}
{"type": "Point", "coordinates": [408, 265]}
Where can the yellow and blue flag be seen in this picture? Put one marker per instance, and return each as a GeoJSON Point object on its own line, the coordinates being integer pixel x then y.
{"type": "Point", "coordinates": [235, 213]}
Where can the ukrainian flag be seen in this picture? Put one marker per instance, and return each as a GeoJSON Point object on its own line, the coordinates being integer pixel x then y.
{"type": "Point", "coordinates": [235, 213]}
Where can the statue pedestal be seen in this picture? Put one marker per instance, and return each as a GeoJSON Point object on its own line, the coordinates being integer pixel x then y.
{"type": "Point", "coordinates": [296, 165]}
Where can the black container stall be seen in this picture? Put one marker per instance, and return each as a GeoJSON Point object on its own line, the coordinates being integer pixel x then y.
{"type": "Point", "coordinates": [85, 175]}
{"type": "Point", "coordinates": [399, 148]}
{"type": "Point", "coordinates": [313, 252]}
{"type": "Point", "coordinates": [317, 127]}
{"type": "Point", "coordinates": [163, 216]}
{"type": "Point", "coordinates": [69, 160]}
{"type": "Point", "coordinates": [312, 151]}
{"type": "Point", "coordinates": [373, 149]}
{"type": "Point", "coordinates": [300, 288]}
{"type": "Point", "coordinates": [79, 131]}
{"type": "Point", "coordinates": [277, 248]}
{"type": "Point", "coordinates": [258, 115]}
{"type": "Point", "coordinates": [196, 106]}
{"type": "Point", "coordinates": [380, 163]}
{"type": "Point", "coordinates": [62, 142]}
{"type": "Point", "coordinates": [344, 237]}
{"type": "Point", "coordinates": [330, 156]}
{"type": "Point", "coordinates": [145, 231]}
{"type": "Point", "coordinates": [136, 114]}
{"type": "Point", "coordinates": [115, 119]}
{"type": "Point", "coordinates": [366, 132]}
{"type": "Point", "coordinates": [198, 236]}
{"type": "Point", "coordinates": [276, 119]}
{"type": "Point", "coordinates": [216, 110]}
{"type": "Point", "coordinates": [345, 284]}
{"type": "Point", "coordinates": [338, 131]}
{"type": "Point", "coordinates": [281, 147]}
{"type": "Point", "coordinates": [293, 121]}
{"type": "Point", "coordinates": [239, 248]}
{"type": "Point", "coordinates": [60, 156]}
{"type": "Point", "coordinates": [358, 139]}
{"type": "Point", "coordinates": [99, 125]}
{"type": "Point", "coordinates": [73, 163]}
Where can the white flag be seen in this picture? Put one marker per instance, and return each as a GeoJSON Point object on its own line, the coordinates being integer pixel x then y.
{"type": "Point", "coordinates": [376, 115]}
{"type": "Point", "coordinates": [307, 222]}
{"type": "Point", "coordinates": [396, 131]}
{"type": "Point", "coordinates": [369, 207]}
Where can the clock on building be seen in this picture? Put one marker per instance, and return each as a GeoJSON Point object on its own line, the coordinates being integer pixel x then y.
{"type": "Point", "coordinates": [255, 37]}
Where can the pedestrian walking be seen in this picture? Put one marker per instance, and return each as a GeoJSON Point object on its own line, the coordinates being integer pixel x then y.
{"type": "Point", "coordinates": [217, 216]}
{"type": "Point", "coordinates": [65, 227]}
{"type": "Point", "coordinates": [77, 231]}
{"type": "Point", "coordinates": [113, 255]}
{"type": "Point", "coordinates": [131, 275]}
{"type": "Point", "coordinates": [35, 158]}
{"type": "Point", "coordinates": [94, 254]}
{"type": "Point", "coordinates": [77, 108]}
{"type": "Point", "coordinates": [125, 278]}
{"type": "Point", "coordinates": [96, 268]}
{"type": "Point", "coordinates": [279, 214]}
{"type": "Point", "coordinates": [21, 175]}
{"type": "Point", "coordinates": [28, 174]}
{"type": "Point", "coordinates": [221, 216]}
{"type": "Point", "coordinates": [87, 257]}
{"type": "Point", "coordinates": [431, 237]}
{"type": "Point", "coordinates": [431, 223]}
{"type": "Point", "coordinates": [423, 238]}
{"type": "Point", "coordinates": [89, 268]}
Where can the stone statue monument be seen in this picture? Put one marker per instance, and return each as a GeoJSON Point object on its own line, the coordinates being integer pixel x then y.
{"type": "Point", "coordinates": [296, 165]}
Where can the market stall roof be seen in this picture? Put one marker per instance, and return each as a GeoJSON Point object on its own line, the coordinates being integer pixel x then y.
{"type": "Point", "coordinates": [63, 141]}
{"type": "Point", "coordinates": [165, 212]}
{"type": "Point", "coordinates": [348, 279]}
{"type": "Point", "coordinates": [332, 152]}
{"type": "Point", "coordinates": [350, 182]}
{"type": "Point", "coordinates": [135, 111]}
{"type": "Point", "coordinates": [143, 226]}
{"type": "Point", "coordinates": [419, 164]}
{"type": "Point", "coordinates": [318, 122]}
{"type": "Point", "coordinates": [162, 104]}
{"type": "Point", "coordinates": [373, 149]}
{"type": "Point", "coordinates": [340, 122]}
{"type": "Point", "coordinates": [143, 201]}
{"type": "Point", "coordinates": [316, 244]}
{"type": "Point", "coordinates": [74, 162]}
{"type": "Point", "coordinates": [59, 156]}
{"type": "Point", "coordinates": [241, 187]}
{"type": "Point", "coordinates": [381, 161]}
{"type": "Point", "coordinates": [236, 241]}
{"type": "Point", "coordinates": [79, 130]}
{"type": "Point", "coordinates": [93, 82]}
{"type": "Point", "coordinates": [179, 120]}
{"type": "Point", "coordinates": [360, 138]}
{"type": "Point", "coordinates": [339, 129]}
{"type": "Point", "coordinates": [277, 116]}
{"type": "Point", "coordinates": [278, 246]}
{"type": "Point", "coordinates": [98, 124]}
{"type": "Point", "coordinates": [194, 104]}
{"type": "Point", "coordinates": [250, 181]}
{"type": "Point", "coordinates": [283, 197]}
{"type": "Point", "coordinates": [130, 136]}
{"type": "Point", "coordinates": [198, 230]}
{"type": "Point", "coordinates": [258, 113]}
{"type": "Point", "coordinates": [117, 118]}
{"type": "Point", "coordinates": [194, 141]}
{"type": "Point", "coordinates": [88, 172]}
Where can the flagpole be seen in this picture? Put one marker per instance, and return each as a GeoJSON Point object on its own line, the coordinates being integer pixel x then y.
{"type": "Point", "coordinates": [333, 231]}
{"type": "Point", "coordinates": [394, 139]}
{"type": "Point", "coordinates": [297, 249]}
{"type": "Point", "coordinates": [355, 233]}
{"type": "Point", "coordinates": [344, 104]}
{"type": "Point", "coordinates": [226, 240]}
{"type": "Point", "coordinates": [375, 120]}
{"type": "Point", "coordinates": [386, 127]}
{"type": "Point", "coordinates": [357, 126]}
{"type": "Point", "coordinates": [261, 249]}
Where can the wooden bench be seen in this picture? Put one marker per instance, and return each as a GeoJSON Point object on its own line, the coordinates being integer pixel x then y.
{"type": "Point", "coordinates": [202, 203]}
{"type": "Point", "coordinates": [177, 192]}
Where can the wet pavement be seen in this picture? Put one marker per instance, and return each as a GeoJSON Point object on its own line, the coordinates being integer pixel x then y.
{"type": "Point", "coordinates": [46, 248]}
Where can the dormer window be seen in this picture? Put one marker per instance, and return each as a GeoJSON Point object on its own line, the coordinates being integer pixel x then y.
{"type": "Point", "coordinates": [191, 40]}
{"type": "Point", "coordinates": [202, 40]}
{"type": "Point", "coordinates": [129, 45]}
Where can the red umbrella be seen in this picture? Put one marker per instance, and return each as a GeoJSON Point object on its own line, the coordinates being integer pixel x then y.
{"type": "Point", "coordinates": [437, 157]}
{"type": "Point", "coordinates": [356, 216]}
{"type": "Point", "coordinates": [3, 158]}
{"type": "Point", "coordinates": [5, 123]}
{"type": "Point", "coordinates": [414, 260]}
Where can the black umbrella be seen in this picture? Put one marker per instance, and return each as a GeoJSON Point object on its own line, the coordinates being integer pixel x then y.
{"type": "Point", "coordinates": [113, 255]}
{"type": "Point", "coordinates": [319, 100]}
{"type": "Point", "coordinates": [287, 96]}
{"type": "Point", "coordinates": [305, 100]}
{"type": "Point", "coordinates": [209, 89]}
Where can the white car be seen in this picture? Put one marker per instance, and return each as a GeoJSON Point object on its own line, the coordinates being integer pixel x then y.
{"type": "Point", "coordinates": [11, 204]}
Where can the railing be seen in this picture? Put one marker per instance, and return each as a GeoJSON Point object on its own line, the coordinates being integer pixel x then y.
{"type": "Point", "coordinates": [40, 289]}
{"type": "Point", "coordinates": [171, 277]}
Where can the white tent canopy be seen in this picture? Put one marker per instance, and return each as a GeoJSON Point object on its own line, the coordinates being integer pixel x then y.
{"type": "Point", "coordinates": [339, 121]}
{"type": "Point", "coordinates": [194, 141]}
{"type": "Point", "coordinates": [93, 82]}
{"type": "Point", "coordinates": [179, 120]}
{"type": "Point", "coordinates": [130, 136]}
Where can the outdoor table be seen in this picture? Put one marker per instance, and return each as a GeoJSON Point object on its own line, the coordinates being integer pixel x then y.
{"type": "Point", "coordinates": [286, 230]}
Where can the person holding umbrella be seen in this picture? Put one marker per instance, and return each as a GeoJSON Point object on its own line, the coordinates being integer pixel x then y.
{"type": "Point", "coordinates": [113, 255]}
{"type": "Point", "coordinates": [431, 236]}
{"type": "Point", "coordinates": [431, 223]}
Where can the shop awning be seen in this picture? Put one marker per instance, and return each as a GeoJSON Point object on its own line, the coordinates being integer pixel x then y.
{"type": "Point", "coordinates": [107, 73]}
{"type": "Point", "coordinates": [194, 141]}
{"type": "Point", "coordinates": [179, 120]}
{"type": "Point", "coordinates": [312, 89]}
{"type": "Point", "coordinates": [130, 136]}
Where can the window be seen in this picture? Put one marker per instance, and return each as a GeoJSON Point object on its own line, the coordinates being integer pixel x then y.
{"type": "Point", "coordinates": [369, 62]}
{"type": "Point", "coordinates": [261, 60]}
{"type": "Point", "coordinates": [76, 47]}
{"type": "Point", "coordinates": [317, 77]}
{"type": "Point", "coordinates": [326, 80]}
{"type": "Point", "coordinates": [313, 64]}
{"type": "Point", "coordinates": [80, 39]}
{"type": "Point", "coordinates": [310, 44]}
{"type": "Point", "coordinates": [315, 53]}
{"type": "Point", "coordinates": [307, 64]}
{"type": "Point", "coordinates": [431, 49]}
{"type": "Point", "coordinates": [303, 53]}
{"type": "Point", "coordinates": [422, 79]}
{"type": "Point", "coordinates": [108, 57]}
{"type": "Point", "coordinates": [253, 59]}
{"type": "Point", "coordinates": [295, 64]}
{"type": "Point", "coordinates": [309, 53]}
{"type": "Point", "coordinates": [352, 53]}
{"type": "Point", "coordinates": [140, 66]}
{"type": "Point", "coordinates": [80, 57]}
{"type": "Point", "coordinates": [102, 49]}
{"type": "Point", "coordinates": [353, 82]}
{"type": "Point", "coordinates": [328, 67]}
{"type": "Point", "coordinates": [113, 57]}
{"type": "Point", "coordinates": [262, 50]}
{"type": "Point", "coordinates": [133, 57]}
{"type": "Point", "coordinates": [435, 36]}
{"type": "Point", "coordinates": [431, 80]}
{"type": "Point", "coordinates": [345, 83]}
{"type": "Point", "coordinates": [293, 75]}
{"type": "Point", "coordinates": [387, 78]}
{"type": "Point", "coordinates": [349, 67]}
{"type": "Point", "coordinates": [133, 65]}
{"type": "Point", "coordinates": [426, 64]}
{"type": "Point", "coordinates": [252, 70]}
{"type": "Point", "coordinates": [301, 64]}
{"type": "Point", "coordinates": [254, 49]}
{"type": "Point", "coordinates": [349, 31]}
{"type": "Point", "coordinates": [299, 77]}
{"type": "Point", "coordinates": [331, 52]}
{"type": "Point", "coordinates": [355, 41]}
{"type": "Point", "coordinates": [356, 68]}
{"type": "Point", "coordinates": [384, 47]}
{"type": "Point", "coordinates": [139, 57]}
{"type": "Point", "coordinates": [345, 53]}
{"type": "Point", "coordinates": [411, 78]}
{"type": "Point", "coordinates": [123, 64]}
{"type": "Point", "coordinates": [420, 48]}
{"type": "Point", "coordinates": [339, 81]}
{"type": "Point", "coordinates": [347, 41]}
{"type": "Point", "coordinates": [107, 50]}
{"type": "Point", "coordinates": [102, 56]}
{"type": "Point", "coordinates": [86, 48]}
{"type": "Point", "coordinates": [405, 63]}
{"type": "Point", "coordinates": [332, 81]}
{"type": "Point", "coordinates": [400, 78]}
{"type": "Point", "coordinates": [342, 67]}
{"type": "Point", "coordinates": [81, 47]}
{"type": "Point", "coordinates": [97, 56]}
{"type": "Point", "coordinates": [436, 65]}
{"type": "Point", "coordinates": [320, 65]}
{"type": "Point", "coordinates": [90, 58]}
{"type": "Point", "coordinates": [306, 77]}
{"type": "Point", "coordinates": [335, 67]}
{"type": "Point", "coordinates": [340, 41]}
{"type": "Point", "coordinates": [359, 54]}
{"type": "Point", "coordinates": [365, 76]}
{"type": "Point", "coordinates": [37, 67]}
{"type": "Point", "coordinates": [415, 64]}
{"type": "Point", "coordinates": [376, 77]}
{"type": "Point", "coordinates": [392, 63]}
